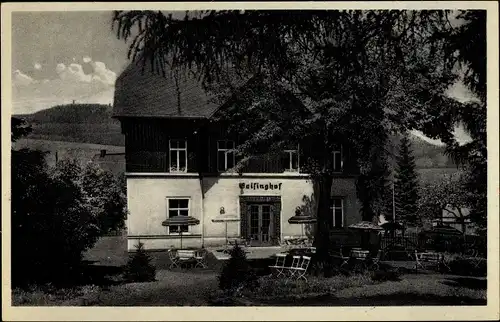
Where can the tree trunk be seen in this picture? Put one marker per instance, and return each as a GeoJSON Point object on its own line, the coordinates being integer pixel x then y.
{"type": "Point", "coordinates": [322, 240]}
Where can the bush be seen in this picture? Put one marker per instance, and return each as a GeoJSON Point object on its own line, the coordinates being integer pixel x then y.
{"type": "Point", "coordinates": [139, 268]}
{"type": "Point", "coordinates": [52, 222]}
{"type": "Point", "coordinates": [467, 267]}
{"type": "Point", "coordinates": [237, 272]}
{"type": "Point", "coordinates": [57, 214]}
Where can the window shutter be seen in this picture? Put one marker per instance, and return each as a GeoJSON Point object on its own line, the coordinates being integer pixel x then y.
{"type": "Point", "coordinates": [275, 211]}
{"type": "Point", "coordinates": [245, 210]}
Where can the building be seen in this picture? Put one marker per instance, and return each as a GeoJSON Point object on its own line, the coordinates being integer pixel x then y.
{"type": "Point", "coordinates": [451, 217]}
{"type": "Point", "coordinates": [178, 162]}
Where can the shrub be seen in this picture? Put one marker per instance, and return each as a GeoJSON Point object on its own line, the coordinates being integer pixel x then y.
{"type": "Point", "coordinates": [237, 272]}
{"type": "Point", "coordinates": [139, 268]}
{"type": "Point", "coordinates": [57, 214]}
{"type": "Point", "coordinates": [52, 223]}
{"type": "Point", "coordinates": [467, 267]}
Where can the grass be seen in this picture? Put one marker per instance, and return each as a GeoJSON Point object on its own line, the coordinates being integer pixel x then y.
{"type": "Point", "coordinates": [196, 287]}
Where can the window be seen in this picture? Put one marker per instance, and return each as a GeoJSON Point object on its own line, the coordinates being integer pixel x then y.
{"type": "Point", "coordinates": [291, 160]}
{"type": "Point", "coordinates": [225, 155]}
{"type": "Point", "coordinates": [338, 158]}
{"type": "Point", "coordinates": [178, 207]}
{"type": "Point", "coordinates": [178, 156]}
{"type": "Point", "coordinates": [337, 208]}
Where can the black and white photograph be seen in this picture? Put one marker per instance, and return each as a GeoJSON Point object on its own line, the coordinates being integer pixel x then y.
{"type": "Point", "coordinates": [251, 157]}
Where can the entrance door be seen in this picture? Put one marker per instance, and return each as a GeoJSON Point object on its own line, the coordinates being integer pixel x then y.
{"type": "Point", "coordinates": [260, 224]}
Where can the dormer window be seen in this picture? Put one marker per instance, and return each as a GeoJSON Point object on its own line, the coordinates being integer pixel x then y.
{"type": "Point", "coordinates": [338, 158]}
{"type": "Point", "coordinates": [178, 155]}
{"type": "Point", "coordinates": [291, 160]}
{"type": "Point", "coordinates": [225, 155]}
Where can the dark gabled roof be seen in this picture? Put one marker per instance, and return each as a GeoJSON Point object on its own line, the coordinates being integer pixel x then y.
{"type": "Point", "coordinates": [141, 93]}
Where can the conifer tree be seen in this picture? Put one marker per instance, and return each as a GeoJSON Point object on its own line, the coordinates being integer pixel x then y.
{"type": "Point", "coordinates": [406, 183]}
{"type": "Point", "coordinates": [139, 267]}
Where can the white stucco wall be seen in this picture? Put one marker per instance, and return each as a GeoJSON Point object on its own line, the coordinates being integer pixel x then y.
{"type": "Point", "coordinates": [147, 204]}
{"type": "Point", "coordinates": [225, 192]}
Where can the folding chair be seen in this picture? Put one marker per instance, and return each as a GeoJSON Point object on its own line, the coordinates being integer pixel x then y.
{"type": "Point", "coordinates": [338, 255]}
{"type": "Point", "coordinates": [279, 266]}
{"type": "Point", "coordinates": [174, 258]}
{"type": "Point", "coordinates": [300, 271]}
{"type": "Point", "coordinates": [375, 261]}
{"type": "Point", "coordinates": [200, 257]}
{"type": "Point", "coordinates": [292, 269]}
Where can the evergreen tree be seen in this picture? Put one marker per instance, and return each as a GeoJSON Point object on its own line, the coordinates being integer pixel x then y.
{"type": "Point", "coordinates": [237, 272]}
{"type": "Point", "coordinates": [139, 268]}
{"type": "Point", "coordinates": [406, 183]}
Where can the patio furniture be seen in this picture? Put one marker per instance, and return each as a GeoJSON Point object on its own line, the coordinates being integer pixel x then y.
{"type": "Point", "coordinates": [302, 220]}
{"type": "Point", "coordinates": [225, 219]}
{"type": "Point", "coordinates": [290, 270]}
{"type": "Point", "coordinates": [425, 259]}
{"type": "Point", "coordinates": [174, 259]}
{"type": "Point", "coordinates": [279, 266]}
{"type": "Point", "coordinates": [359, 257]}
{"type": "Point", "coordinates": [180, 221]}
{"type": "Point", "coordinates": [200, 256]}
{"type": "Point", "coordinates": [300, 269]}
{"type": "Point", "coordinates": [374, 264]}
{"type": "Point", "coordinates": [339, 255]}
{"type": "Point", "coordinates": [186, 255]}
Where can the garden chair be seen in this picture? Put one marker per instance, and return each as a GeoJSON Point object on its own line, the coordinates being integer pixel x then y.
{"type": "Point", "coordinates": [422, 260]}
{"type": "Point", "coordinates": [339, 255]}
{"type": "Point", "coordinates": [295, 264]}
{"type": "Point", "coordinates": [279, 266]}
{"type": "Point", "coordinates": [299, 272]}
{"type": "Point", "coordinates": [292, 269]}
{"type": "Point", "coordinates": [374, 265]}
{"type": "Point", "coordinates": [174, 258]}
{"type": "Point", "coordinates": [200, 257]}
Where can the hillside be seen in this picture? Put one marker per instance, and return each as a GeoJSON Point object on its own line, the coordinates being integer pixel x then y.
{"type": "Point", "coordinates": [92, 123]}
{"type": "Point", "coordinates": [84, 123]}
{"type": "Point", "coordinates": [114, 160]}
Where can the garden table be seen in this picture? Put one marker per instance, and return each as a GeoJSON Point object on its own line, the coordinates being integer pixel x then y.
{"type": "Point", "coordinates": [432, 258]}
{"type": "Point", "coordinates": [180, 256]}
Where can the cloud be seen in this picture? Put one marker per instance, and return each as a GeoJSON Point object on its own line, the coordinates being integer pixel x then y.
{"type": "Point", "coordinates": [91, 83]}
{"type": "Point", "coordinates": [102, 74]}
{"type": "Point", "coordinates": [87, 59]}
{"type": "Point", "coordinates": [20, 79]}
{"type": "Point", "coordinates": [37, 66]}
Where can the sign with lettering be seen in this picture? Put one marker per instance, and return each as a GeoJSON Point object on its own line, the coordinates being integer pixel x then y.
{"type": "Point", "coordinates": [260, 186]}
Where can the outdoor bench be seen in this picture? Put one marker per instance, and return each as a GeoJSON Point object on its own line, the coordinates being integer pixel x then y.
{"type": "Point", "coordinates": [422, 260]}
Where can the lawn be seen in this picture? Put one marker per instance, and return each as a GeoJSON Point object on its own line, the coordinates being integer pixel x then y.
{"type": "Point", "coordinates": [197, 287]}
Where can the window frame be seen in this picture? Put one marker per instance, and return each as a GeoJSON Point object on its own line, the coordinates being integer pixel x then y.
{"type": "Point", "coordinates": [340, 153]}
{"type": "Point", "coordinates": [178, 210]}
{"type": "Point", "coordinates": [333, 208]}
{"type": "Point", "coordinates": [225, 154]}
{"type": "Point", "coordinates": [177, 151]}
{"type": "Point", "coordinates": [289, 153]}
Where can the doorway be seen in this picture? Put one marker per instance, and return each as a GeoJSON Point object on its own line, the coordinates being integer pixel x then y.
{"type": "Point", "coordinates": [260, 224]}
{"type": "Point", "coordinates": [260, 220]}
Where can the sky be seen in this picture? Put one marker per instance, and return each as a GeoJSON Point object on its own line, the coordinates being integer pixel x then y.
{"type": "Point", "coordinates": [60, 57]}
